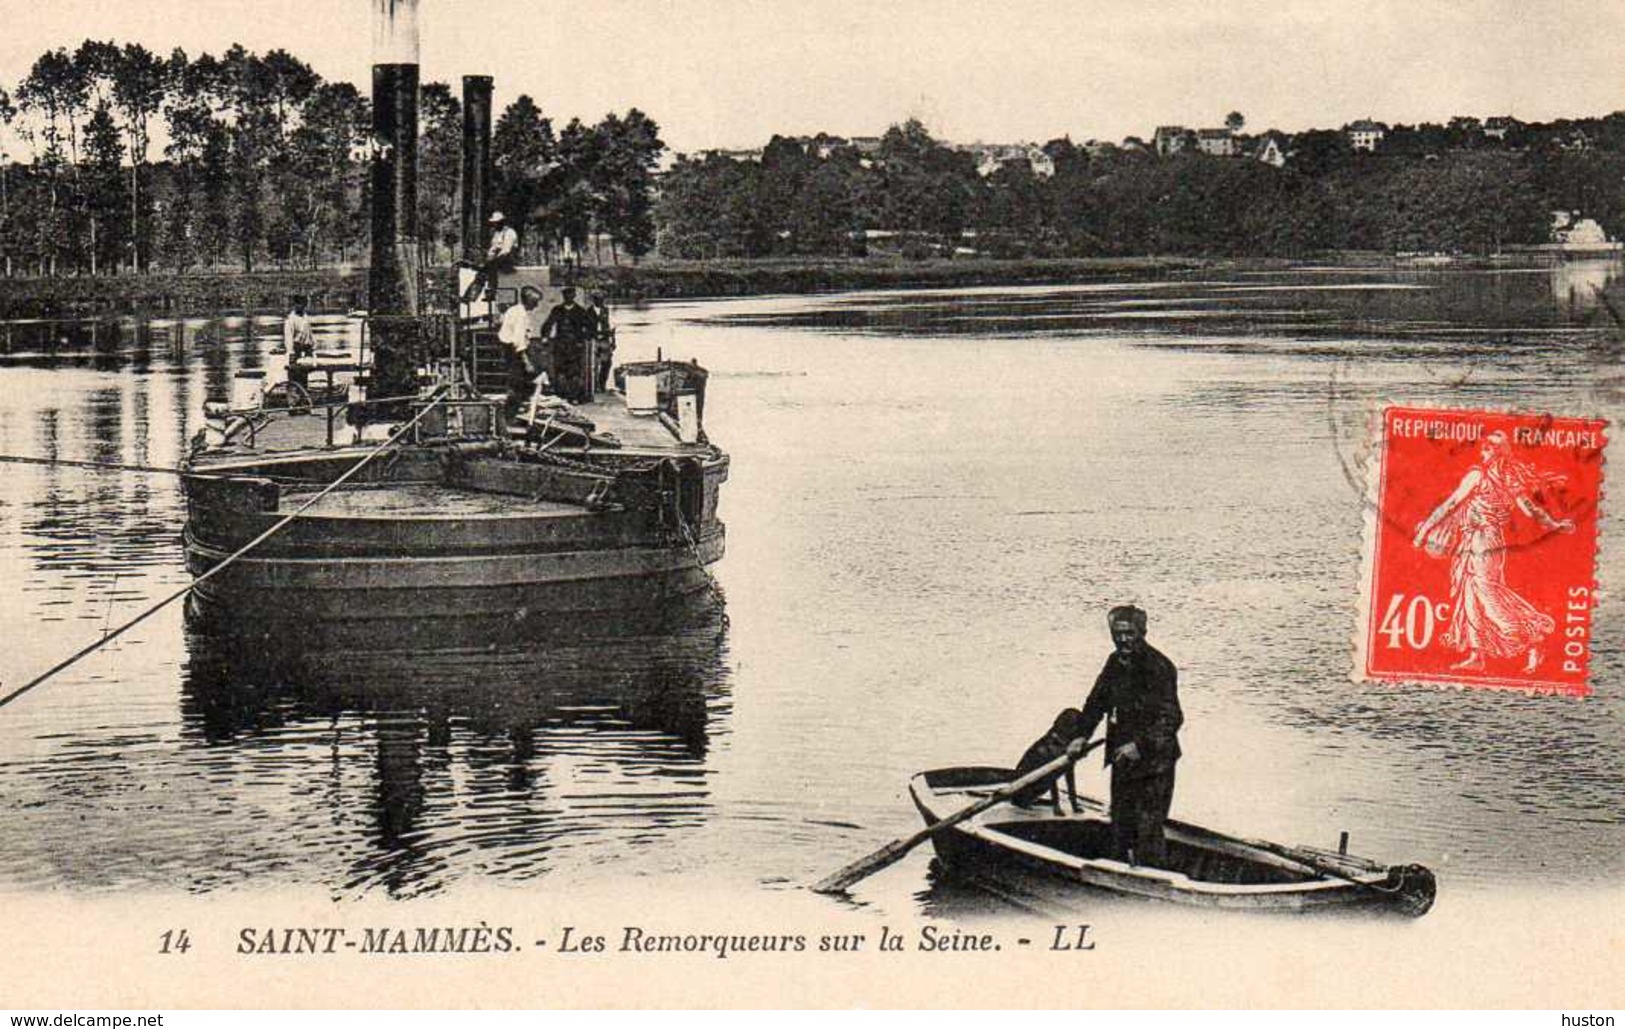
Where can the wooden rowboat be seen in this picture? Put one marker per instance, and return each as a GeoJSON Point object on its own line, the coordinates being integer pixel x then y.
{"type": "Point", "coordinates": [1048, 856]}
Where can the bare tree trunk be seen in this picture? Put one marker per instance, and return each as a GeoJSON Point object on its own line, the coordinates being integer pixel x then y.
{"type": "Point", "coordinates": [135, 218]}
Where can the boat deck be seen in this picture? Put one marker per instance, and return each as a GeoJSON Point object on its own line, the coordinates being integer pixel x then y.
{"type": "Point", "coordinates": [280, 431]}
{"type": "Point", "coordinates": [406, 501]}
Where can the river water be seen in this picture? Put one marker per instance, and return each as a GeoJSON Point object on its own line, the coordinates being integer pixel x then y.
{"type": "Point", "coordinates": [935, 497]}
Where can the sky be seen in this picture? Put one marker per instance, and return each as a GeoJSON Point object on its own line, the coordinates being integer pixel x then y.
{"type": "Point", "coordinates": [730, 73]}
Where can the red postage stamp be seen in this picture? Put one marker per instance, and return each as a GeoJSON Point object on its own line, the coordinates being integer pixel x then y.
{"type": "Point", "coordinates": [1481, 553]}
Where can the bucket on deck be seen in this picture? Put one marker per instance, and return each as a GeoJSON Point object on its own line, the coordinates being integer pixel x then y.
{"type": "Point", "coordinates": [688, 418]}
{"type": "Point", "coordinates": [248, 390]}
{"type": "Point", "coordinates": [642, 394]}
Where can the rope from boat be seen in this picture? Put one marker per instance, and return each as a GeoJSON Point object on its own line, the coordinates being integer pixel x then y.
{"type": "Point", "coordinates": [105, 466]}
{"type": "Point", "coordinates": [226, 562]}
{"type": "Point", "coordinates": [110, 466]}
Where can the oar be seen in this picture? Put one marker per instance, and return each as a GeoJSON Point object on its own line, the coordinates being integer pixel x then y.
{"type": "Point", "coordinates": [1412, 887]}
{"type": "Point", "coordinates": [892, 852]}
{"type": "Point", "coordinates": [1308, 861]}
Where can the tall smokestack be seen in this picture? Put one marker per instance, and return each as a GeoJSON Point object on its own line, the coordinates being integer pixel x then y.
{"type": "Point", "coordinates": [392, 285]}
{"type": "Point", "coordinates": [475, 183]}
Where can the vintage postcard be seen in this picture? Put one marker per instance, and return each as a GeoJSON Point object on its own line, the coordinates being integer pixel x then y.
{"type": "Point", "coordinates": [820, 505]}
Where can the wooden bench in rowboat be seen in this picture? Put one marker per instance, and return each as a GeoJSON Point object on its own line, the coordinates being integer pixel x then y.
{"type": "Point", "coordinates": [1053, 854]}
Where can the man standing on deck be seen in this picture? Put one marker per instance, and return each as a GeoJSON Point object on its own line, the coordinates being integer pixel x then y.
{"type": "Point", "coordinates": [516, 333]}
{"type": "Point", "coordinates": [1137, 692]}
{"type": "Point", "coordinates": [603, 340]}
{"type": "Point", "coordinates": [569, 332]}
{"type": "Point", "coordinates": [300, 343]}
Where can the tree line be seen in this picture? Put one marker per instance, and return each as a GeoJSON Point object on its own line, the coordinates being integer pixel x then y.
{"type": "Point", "coordinates": [262, 161]}
{"type": "Point", "coordinates": [1429, 188]}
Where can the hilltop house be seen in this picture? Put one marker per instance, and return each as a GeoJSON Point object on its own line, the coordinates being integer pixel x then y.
{"type": "Point", "coordinates": [1569, 229]}
{"type": "Point", "coordinates": [747, 154]}
{"type": "Point", "coordinates": [1365, 134]}
{"type": "Point", "coordinates": [1497, 128]}
{"type": "Point", "coordinates": [1271, 149]}
{"type": "Point", "coordinates": [1218, 142]}
{"type": "Point", "coordinates": [990, 157]}
{"type": "Point", "coordinates": [1170, 139]}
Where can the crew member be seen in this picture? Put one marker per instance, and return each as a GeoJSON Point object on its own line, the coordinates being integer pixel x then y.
{"type": "Point", "coordinates": [299, 342]}
{"type": "Point", "coordinates": [603, 340]}
{"type": "Point", "coordinates": [517, 334]}
{"type": "Point", "coordinates": [500, 257]}
{"type": "Point", "coordinates": [1137, 691]}
{"type": "Point", "coordinates": [568, 332]}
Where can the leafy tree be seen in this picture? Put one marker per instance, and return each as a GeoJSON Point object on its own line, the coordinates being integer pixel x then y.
{"type": "Point", "coordinates": [1235, 121]}
{"type": "Point", "coordinates": [523, 154]}
{"type": "Point", "coordinates": [54, 92]}
{"type": "Point", "coordinates": [823, 213]}
{"type": "Point", "coordinates": [104, 191]}
{"type": "Point", "coordinates": [440, 141]}
{"type": "Point", "coordinates": [627, 152]}
{"type": "Point", "coordinates": [572, 203]}
{"type": "Point", "coordinates": [1320, 151]}
{"type": "Point", "coordinates": [8, 239]}
{"type": "Point", "coordinates": [333, 125]}
{"type": "Point", "coordinates": [138, 91]}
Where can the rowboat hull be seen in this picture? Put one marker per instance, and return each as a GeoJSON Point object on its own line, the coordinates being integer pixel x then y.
{"type": "Point", "coordinates": [1040, 856]}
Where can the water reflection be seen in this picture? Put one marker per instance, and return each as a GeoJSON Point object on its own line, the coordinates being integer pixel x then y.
{"type": "Point", "coordinates": [1413, 304]}
{"type": "Point", "coordinates": [1579, 287]}
{"type": "Point", "coordinates": [933, 492]}
{"type": "Point", "coordinates": [435, 753]}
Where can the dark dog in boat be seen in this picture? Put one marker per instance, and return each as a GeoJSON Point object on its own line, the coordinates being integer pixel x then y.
{"type": "Point", "coordinates": [1050, 746]}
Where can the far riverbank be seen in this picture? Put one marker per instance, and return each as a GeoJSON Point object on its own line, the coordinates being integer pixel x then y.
{"type": "Point", "coordinates": [342, 289]}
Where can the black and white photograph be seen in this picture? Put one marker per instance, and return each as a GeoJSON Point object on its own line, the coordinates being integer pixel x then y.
{"type": "Point", "coordinates": [665, 504]}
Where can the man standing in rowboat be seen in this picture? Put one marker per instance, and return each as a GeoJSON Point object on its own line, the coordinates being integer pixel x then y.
{"type": "Point", "coordinates": [1138, 693]}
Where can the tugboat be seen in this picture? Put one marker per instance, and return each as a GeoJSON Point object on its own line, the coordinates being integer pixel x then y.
{"type": "Point", "coordinates": [422, 496]}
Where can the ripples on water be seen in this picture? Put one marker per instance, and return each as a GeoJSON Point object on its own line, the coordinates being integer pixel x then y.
{"type": "Point", "coordinates": [934, 498]}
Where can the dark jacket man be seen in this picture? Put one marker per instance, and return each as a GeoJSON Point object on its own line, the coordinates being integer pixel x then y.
{"type": "Point", "coordinates": [570, 329]}
{"type": "Point", "coordinates": [1138, 691]}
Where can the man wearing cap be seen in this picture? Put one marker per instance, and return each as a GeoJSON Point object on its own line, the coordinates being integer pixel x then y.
{"type": "Point", "coordinates": [1138, 693]}
{"type": "Point", "coordinates": [501, 256]}
{"type": "Point", "coordinates": [569, 331]}
{"type": "Point", "coordinates": [516, 333]}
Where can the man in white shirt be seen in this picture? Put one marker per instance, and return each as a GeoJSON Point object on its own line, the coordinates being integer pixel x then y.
{"type": "Point", "coordinates": [502, 255]}
{"type": "Point", "coordinates": [299, 342]}
{"type": "Point", "coordinates": [518, 330]}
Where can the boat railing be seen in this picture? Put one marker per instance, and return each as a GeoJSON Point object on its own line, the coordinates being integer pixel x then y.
{"type": "Point", "coordinates": [462, 414]}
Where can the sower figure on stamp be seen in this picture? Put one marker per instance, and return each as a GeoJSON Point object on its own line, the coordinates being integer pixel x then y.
{"type": "Point", "coordinates": [1488, 618]}
{"type": "Point", "coordinates": [1138, 693]}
